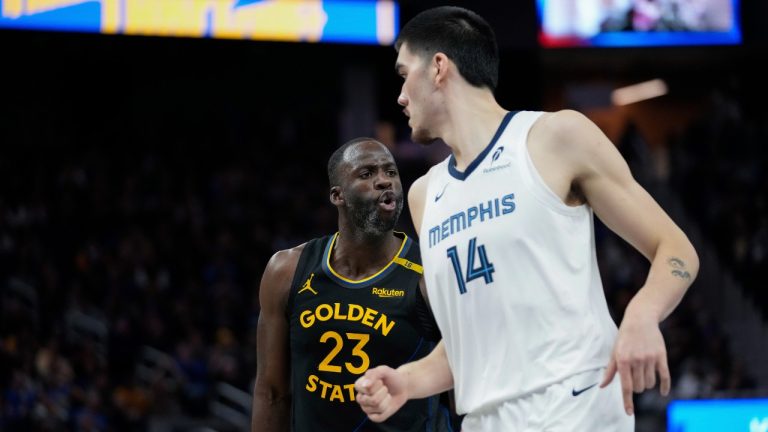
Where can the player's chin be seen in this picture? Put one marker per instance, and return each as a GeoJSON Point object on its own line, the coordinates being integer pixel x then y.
{"type": "Point", "coordinates": [389, 217]}
{"type": "Point", "coordinates": [422, 136]}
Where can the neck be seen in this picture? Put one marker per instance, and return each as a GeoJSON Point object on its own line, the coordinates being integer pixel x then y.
{"type": "Point", "coordinates": [356, 255]}
{"type": "Point", "coordinates": [473, 118]}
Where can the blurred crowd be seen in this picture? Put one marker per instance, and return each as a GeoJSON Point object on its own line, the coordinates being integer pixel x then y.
{"type": "Point", "coordinates": [108, 253]}
{"type": "Point", "coordinates": [105, 251]}
{"type": "Point", "coordinates": [720, 171]}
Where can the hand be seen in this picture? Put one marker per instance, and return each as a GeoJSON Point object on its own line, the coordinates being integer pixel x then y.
{"type": "Point", "coordinates": [381, 391]}
{"type": "Point", "coordinates": [638, 354]}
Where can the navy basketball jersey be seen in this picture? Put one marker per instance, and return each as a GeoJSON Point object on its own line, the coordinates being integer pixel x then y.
{"type": "Point", "coordinates": [339, 328]}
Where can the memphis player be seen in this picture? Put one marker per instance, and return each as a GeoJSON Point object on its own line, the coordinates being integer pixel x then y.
{"type": "Point", "coordinates": [507, 242]}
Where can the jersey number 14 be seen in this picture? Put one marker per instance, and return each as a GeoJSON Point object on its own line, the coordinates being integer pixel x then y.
{"type": "Point", "coordinates": [484, 269]}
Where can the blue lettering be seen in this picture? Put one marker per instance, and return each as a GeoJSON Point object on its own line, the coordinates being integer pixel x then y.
{"type": "Point", "coordinates": [444, 230]}
{"type": "Point", "coordinates": [508, 201]}
{"type": "Point", "coordinates": [486, 211]}
{"type": "Point", "coordinates": [471, 215]}
{"type": "Point", "coordinates": [434, 236]}
{"type": "Point", "coordinates": [462, 220]}
{"type": "Point", "coordinates": [459, 221]}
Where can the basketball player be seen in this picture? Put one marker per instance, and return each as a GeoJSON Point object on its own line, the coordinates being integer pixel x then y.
{"type": "Point", "coordinates": [507, 239]}
{"type": "Point", "coordinates": [334, 306]}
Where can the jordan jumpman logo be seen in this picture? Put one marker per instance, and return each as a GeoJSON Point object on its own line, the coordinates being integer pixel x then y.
{"type": "Point", "coordinates": [308, 285]}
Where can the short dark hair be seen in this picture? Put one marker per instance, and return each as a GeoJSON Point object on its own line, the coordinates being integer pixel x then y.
{"type": "Point", "coordinates": [464, 36]}
{"type": "Point", "coordinates": [335, 160]}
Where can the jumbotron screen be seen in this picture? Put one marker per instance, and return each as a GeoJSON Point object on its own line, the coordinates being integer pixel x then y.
{"type": "Point", "coordinates": [339, 21]}
{"type": "Point", "coordinates": [638, 23]}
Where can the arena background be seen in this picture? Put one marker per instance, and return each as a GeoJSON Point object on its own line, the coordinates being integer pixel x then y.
{"type": "Point", "coordinates": [145, 182]}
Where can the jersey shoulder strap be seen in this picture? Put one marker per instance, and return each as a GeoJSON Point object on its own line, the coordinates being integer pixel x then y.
{"type": "Point", "coordinates": [309, 260]}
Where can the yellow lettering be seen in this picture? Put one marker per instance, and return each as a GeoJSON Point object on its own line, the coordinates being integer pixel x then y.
{"type": "Point", "coordinates": [337, 314]}
{"type": "Point", "coordinates": [355, 312]}
{"type": "Point", "coordinates": [357, 351]}
{"type": "Point", "coordinates": [351, 388]}
{"type": "Point", "coordinates": [330, 391]}
{"type": "Point", "coordinates": [324, 307]}
{"type": "Point", "coordinates": [167, 18]}
{"type": "Point", "coordinates": [273, 20]}
{"type": "Point", "coordinates": [368, 318]}
{"type": "Point", "coordinates": [326, 365]}
{"type": "Point", "coordinates": [110, 16]}
{"type": "Point", "coordinates": [326, 386]}
{"type": "Point", "coordinates": [312, 383]}
{"type": "Point", "coordinates": [12, 8]}
{"type": "Point", "coordinates": [37, 6]}
{"type": "Point", "coordinates": [337, 394]}
{"type": "Point", "coordinates": [307, 318]}
{"type": "Point", "coordinates": [385, 324]}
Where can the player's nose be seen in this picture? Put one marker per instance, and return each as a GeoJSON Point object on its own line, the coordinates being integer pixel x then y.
{"type": "Point", "coordinates": [383, 181]}
{"type": "Point", "coordinates": [402, 99]}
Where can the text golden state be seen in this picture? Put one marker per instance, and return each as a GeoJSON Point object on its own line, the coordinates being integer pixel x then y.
{"type": "Point", "coordinates": [343, 312]}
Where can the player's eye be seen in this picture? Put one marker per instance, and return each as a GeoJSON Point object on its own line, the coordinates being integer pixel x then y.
{"type": "Point", "coordinates": [365, 174]}
{"type": "Point", "coordinates": [391, 173]}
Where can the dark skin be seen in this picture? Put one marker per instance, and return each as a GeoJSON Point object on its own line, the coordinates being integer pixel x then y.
{"type": "Point", "coordinates": [368, 174]}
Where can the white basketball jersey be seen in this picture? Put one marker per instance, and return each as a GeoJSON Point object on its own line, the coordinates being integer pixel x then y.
{"type": "Point", "coordinates": [511, 274]}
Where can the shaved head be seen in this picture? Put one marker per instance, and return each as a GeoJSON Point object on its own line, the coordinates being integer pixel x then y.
{"type": "Point", "coordinates": [345, 153]}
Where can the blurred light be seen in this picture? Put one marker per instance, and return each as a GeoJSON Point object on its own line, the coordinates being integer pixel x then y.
{"type": "Point", "coordinates": [748, 415]}
{"type": "Point", "coordinates": [639, 92]}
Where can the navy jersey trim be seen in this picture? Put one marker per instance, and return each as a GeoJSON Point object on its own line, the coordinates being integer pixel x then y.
{"type": "Point", "coordinates": [455, 173]}
{"type": "Point", "coordinates": [363, 283]}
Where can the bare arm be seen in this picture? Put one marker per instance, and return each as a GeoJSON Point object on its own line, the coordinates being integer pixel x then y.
{"type": "Point", "coordinates": [626, 208]}
{"type": "Point", "coordinates": [381, 391]}
{"type": "Point", "coordinates": [271, 393]}
{"type": "Point", "coordinates": [602, 175]}
{"type": "Point", "coordinates": [431, 374]}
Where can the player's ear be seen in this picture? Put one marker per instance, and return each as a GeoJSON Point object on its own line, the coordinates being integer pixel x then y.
{"type": "Point", "coordinates": [440, 65]}
{"type": "Point", "coordinates": [336, 197]}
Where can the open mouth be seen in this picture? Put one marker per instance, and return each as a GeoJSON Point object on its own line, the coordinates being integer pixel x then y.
{"type": "Point", "coordinates": [387, 201]}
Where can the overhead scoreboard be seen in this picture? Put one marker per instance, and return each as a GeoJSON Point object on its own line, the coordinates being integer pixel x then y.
{"type": "Point", "coordinates": [372, 22]}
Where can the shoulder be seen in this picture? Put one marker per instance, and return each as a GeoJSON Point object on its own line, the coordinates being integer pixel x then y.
{"type": "Point", "coordinates": [416, 199]}
{"type": "Point", "coordinates": [570, 135]}
{"type": "Point", "coordinates": [418, 189]}
{"type": "Point", "coordinates": [285, 261]}
{"type": "Point", "coordinates": [562, 127]}
{"type": "Point", "coordinates": [278, 276]}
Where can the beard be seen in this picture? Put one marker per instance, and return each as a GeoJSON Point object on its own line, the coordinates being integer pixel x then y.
{"type": "Point", "coordinates": [365, 215]}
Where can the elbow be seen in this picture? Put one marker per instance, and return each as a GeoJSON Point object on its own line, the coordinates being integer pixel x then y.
{"type": "Point", "coordinates": [690, 258]}
{"type": "Point", "coordinates": [270, 395]}
{"type": "Point", "coordinates": [695, 264]}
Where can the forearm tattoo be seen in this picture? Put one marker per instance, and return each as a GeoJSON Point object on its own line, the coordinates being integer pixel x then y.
{"type": "Point", "coordinates": [678, 268]}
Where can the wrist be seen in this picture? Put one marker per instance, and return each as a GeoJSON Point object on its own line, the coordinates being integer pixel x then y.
{"type": "Point", "coordinates": [405, 374]}
{"type": "Point", "coordinates": [641, 310]}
